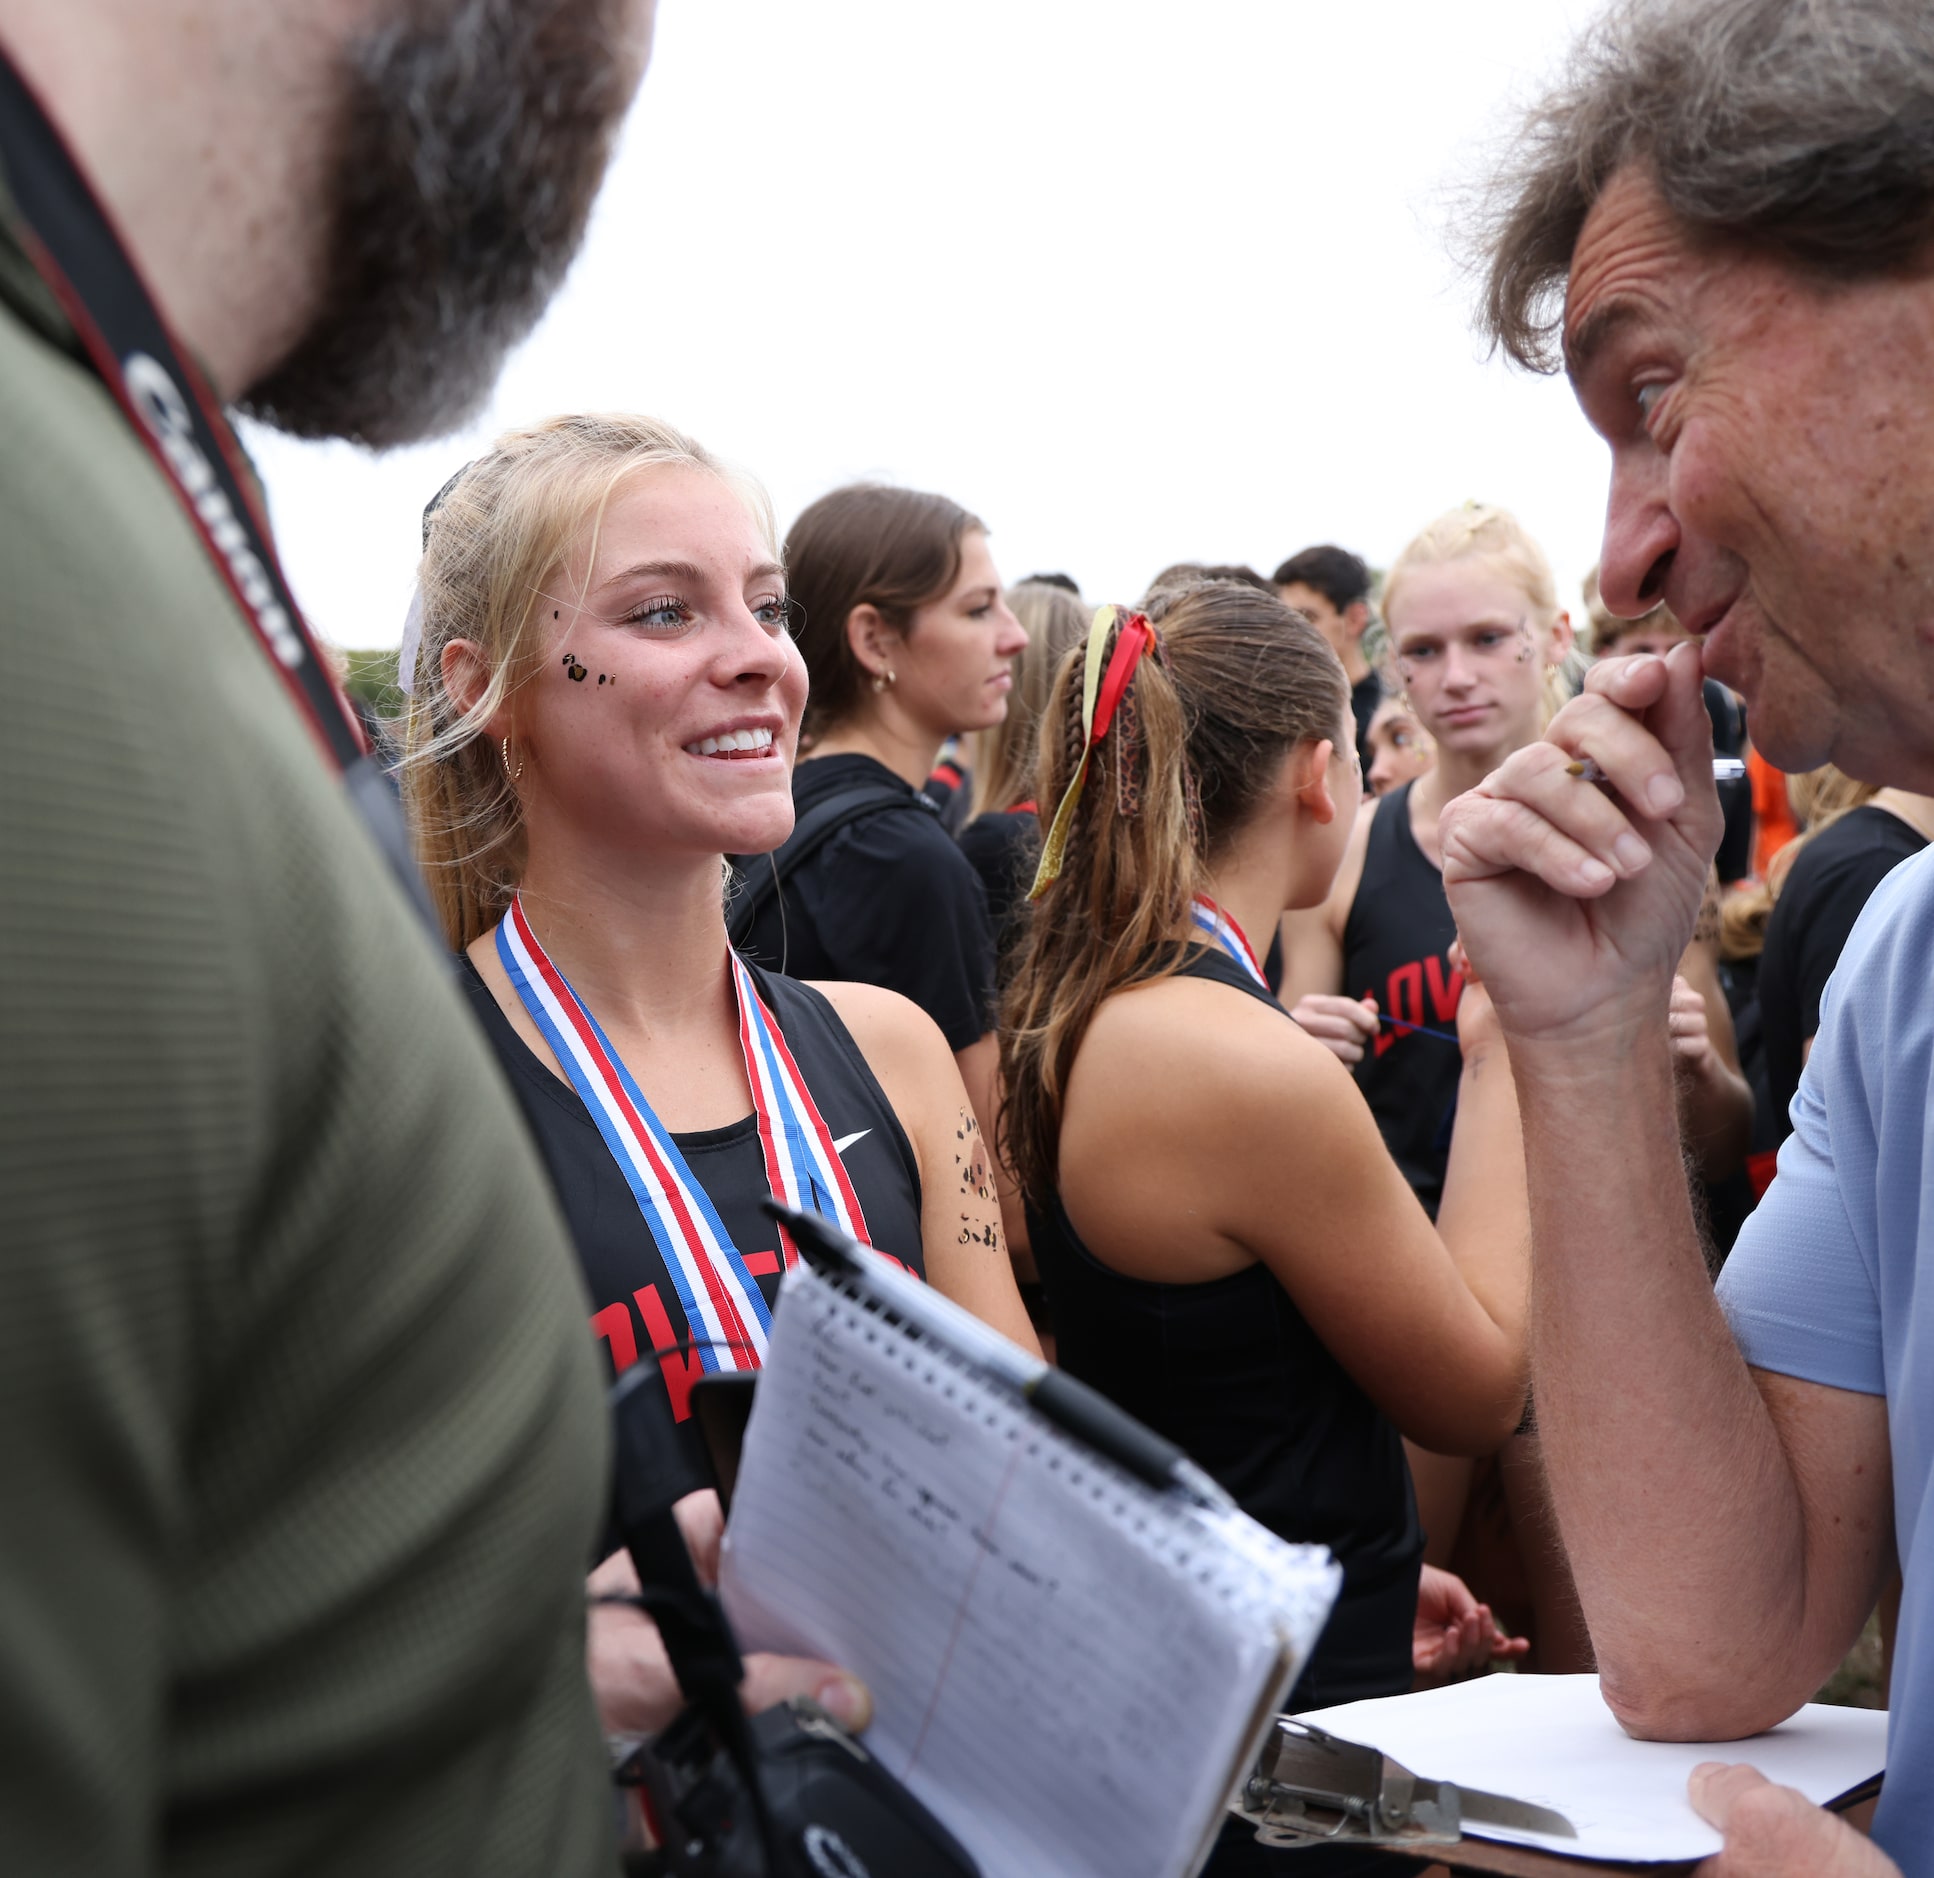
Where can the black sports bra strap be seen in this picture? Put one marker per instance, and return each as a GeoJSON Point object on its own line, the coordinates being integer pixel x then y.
{"type": "Point", "coordinates": [1211, 962]}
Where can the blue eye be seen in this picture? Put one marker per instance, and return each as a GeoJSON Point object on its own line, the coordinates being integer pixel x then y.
{"type": "Point", "coordinates": [776, 614]}
{"type": "Point", "coordinates": [663, 616]}
{"type": "Point", "coordinates": [1647, 399]}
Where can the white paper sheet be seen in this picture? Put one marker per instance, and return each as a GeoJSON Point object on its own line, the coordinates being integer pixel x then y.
{"type": "Point", "coordinates": [1552, 1740]}
{"type": "Point", "coordinates": [1065, 1665]}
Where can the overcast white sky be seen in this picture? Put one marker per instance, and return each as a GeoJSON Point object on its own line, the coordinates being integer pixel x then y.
{"type": "Point", "coordinates": [1136, 283]}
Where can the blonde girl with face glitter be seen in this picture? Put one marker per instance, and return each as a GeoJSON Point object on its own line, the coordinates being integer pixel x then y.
{"type": "Point", "coordinates": [606, 701]}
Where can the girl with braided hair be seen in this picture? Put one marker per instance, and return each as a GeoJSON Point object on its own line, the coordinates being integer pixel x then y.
{"type": "Point", "coordinates": [1229, 1250]}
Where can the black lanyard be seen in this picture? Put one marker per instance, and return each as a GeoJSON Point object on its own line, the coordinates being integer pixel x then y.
{"type": "Point", "coordinates": [68, 237]}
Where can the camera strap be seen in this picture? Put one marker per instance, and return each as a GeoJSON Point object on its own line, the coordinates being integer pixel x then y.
{"type": "Point", "coordinates": [69, 237]}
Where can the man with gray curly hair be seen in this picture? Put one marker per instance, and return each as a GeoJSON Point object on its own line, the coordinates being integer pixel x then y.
{"type": "Point", "coordinates": [1721, 225]}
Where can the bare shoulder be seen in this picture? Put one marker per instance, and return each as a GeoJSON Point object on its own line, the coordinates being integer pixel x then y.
{"type": "Point", "coordinates": [1179, 1039]}
{"type": "Point", "coordinates": [897, 1038]}
{"type": "Point", "coordinates": [1236, 1115]}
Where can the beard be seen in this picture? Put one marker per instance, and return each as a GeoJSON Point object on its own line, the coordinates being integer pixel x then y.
{"type": "Point", "coordinates": [473, 136]}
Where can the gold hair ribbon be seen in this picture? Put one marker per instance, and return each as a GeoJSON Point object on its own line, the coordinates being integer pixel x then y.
{"type": "Point", "coordinates": [1100, 695]}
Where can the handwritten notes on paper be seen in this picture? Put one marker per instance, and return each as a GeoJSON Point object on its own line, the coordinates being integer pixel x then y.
{"type": "Point", "coordinates": [1067, 1666]}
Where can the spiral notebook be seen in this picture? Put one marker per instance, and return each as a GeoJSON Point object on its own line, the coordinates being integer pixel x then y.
{"type": "Point", "coordinates": [1071, 1667]}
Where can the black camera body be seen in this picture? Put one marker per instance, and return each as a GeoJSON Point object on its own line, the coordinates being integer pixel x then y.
{"type": "Point", "coordinates": [834, 1811]}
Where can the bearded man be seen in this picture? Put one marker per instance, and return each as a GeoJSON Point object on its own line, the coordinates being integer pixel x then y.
{"type": "Point", "coordinates": [302, 1446]}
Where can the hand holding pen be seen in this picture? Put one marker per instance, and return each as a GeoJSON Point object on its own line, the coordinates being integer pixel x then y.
{"type": "Point", "coordinates": [1578, 899]}
{"type": "Point", "coordinates": [1348, 1026]}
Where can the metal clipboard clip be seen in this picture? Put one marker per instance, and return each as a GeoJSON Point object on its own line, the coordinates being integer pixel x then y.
{"type": "Point", "coordinates": [1308, 1787]}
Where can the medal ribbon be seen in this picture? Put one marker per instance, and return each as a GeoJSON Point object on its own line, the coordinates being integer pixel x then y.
{"type": "Point", "coordinates": [726, 1313]}
{"type": "Point", "coordinates": [1228, 935]}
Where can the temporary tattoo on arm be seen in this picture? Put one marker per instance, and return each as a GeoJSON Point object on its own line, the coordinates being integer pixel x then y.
{"type": "Point", "coordinates": [977, 1182]}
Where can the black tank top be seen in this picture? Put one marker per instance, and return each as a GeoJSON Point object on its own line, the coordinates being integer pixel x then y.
{"type": "Point", "coordinates": [1396, 949]}
{"type": "Point", "coordinates": [1230, 1370]}
{"type": "Point", "coordinates": [634, 1307]}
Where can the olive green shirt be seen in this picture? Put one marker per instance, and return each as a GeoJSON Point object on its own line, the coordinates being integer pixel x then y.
{"type": "Point", "coordinates": [302, 1445]}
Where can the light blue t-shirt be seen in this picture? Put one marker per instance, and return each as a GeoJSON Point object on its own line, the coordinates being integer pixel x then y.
{"type": "Point", "coordinates": [1832, 1279]}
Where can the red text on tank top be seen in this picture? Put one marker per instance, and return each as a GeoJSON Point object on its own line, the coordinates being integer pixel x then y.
{"type": "Point", "coordinates": [1404, 997]}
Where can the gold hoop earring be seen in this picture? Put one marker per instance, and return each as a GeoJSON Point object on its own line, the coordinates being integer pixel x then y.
{"type": "Point", "coordinates": [510, 775]}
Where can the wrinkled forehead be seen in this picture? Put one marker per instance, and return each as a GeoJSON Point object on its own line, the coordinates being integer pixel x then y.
{"type": "Point", "coordinates": [1631, 262]}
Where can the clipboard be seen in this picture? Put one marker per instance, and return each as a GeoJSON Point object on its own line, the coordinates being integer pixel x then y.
{"type": "Point", "coordinates": [1510, 1745]}
{"type": "Point", "coordinates": [1856, 1806]}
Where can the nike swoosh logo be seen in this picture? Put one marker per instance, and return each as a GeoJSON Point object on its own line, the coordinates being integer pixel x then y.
{"type": "Point", "coordinates": [846, 1141]}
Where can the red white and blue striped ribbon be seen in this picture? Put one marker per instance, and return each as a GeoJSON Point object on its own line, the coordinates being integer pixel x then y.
{"type": "Point", "coordinates": [1228, 935]}
{"type": "Point", "coordinates": [725, 1311]}
{"type": "Point", "coordinates": [803, 1167]}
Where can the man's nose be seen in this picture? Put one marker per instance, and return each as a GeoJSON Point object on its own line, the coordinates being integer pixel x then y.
{"type": "Point", "coordinates": [1641, 534]}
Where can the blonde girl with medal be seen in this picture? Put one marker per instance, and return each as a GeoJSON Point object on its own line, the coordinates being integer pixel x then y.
{"type": "Point", "coordinates": [604, 701]}
{"type": "Point", "coordinates": [1229, 1251]}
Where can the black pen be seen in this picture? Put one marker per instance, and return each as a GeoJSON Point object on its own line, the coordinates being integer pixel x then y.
{"type": "Point", "coordinates": [1065, 1401]}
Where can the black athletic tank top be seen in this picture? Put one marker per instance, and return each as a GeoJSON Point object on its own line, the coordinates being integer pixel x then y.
{"type": "Point", "coordinates": [1396, 949]}
{"type": "Point", "coordinates": [1230, 1370]}
{"type": "Point", "coordinates": [634, 1305]}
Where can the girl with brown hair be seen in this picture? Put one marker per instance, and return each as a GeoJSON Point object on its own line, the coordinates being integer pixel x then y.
{"type": "Point", "coordinates": [908, 642]}
{"type": "Point", "coordinates": [1229, 1251]}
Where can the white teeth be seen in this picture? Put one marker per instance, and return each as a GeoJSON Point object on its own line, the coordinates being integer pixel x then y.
{"type": "Point", "coordinates": [732, 740]}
